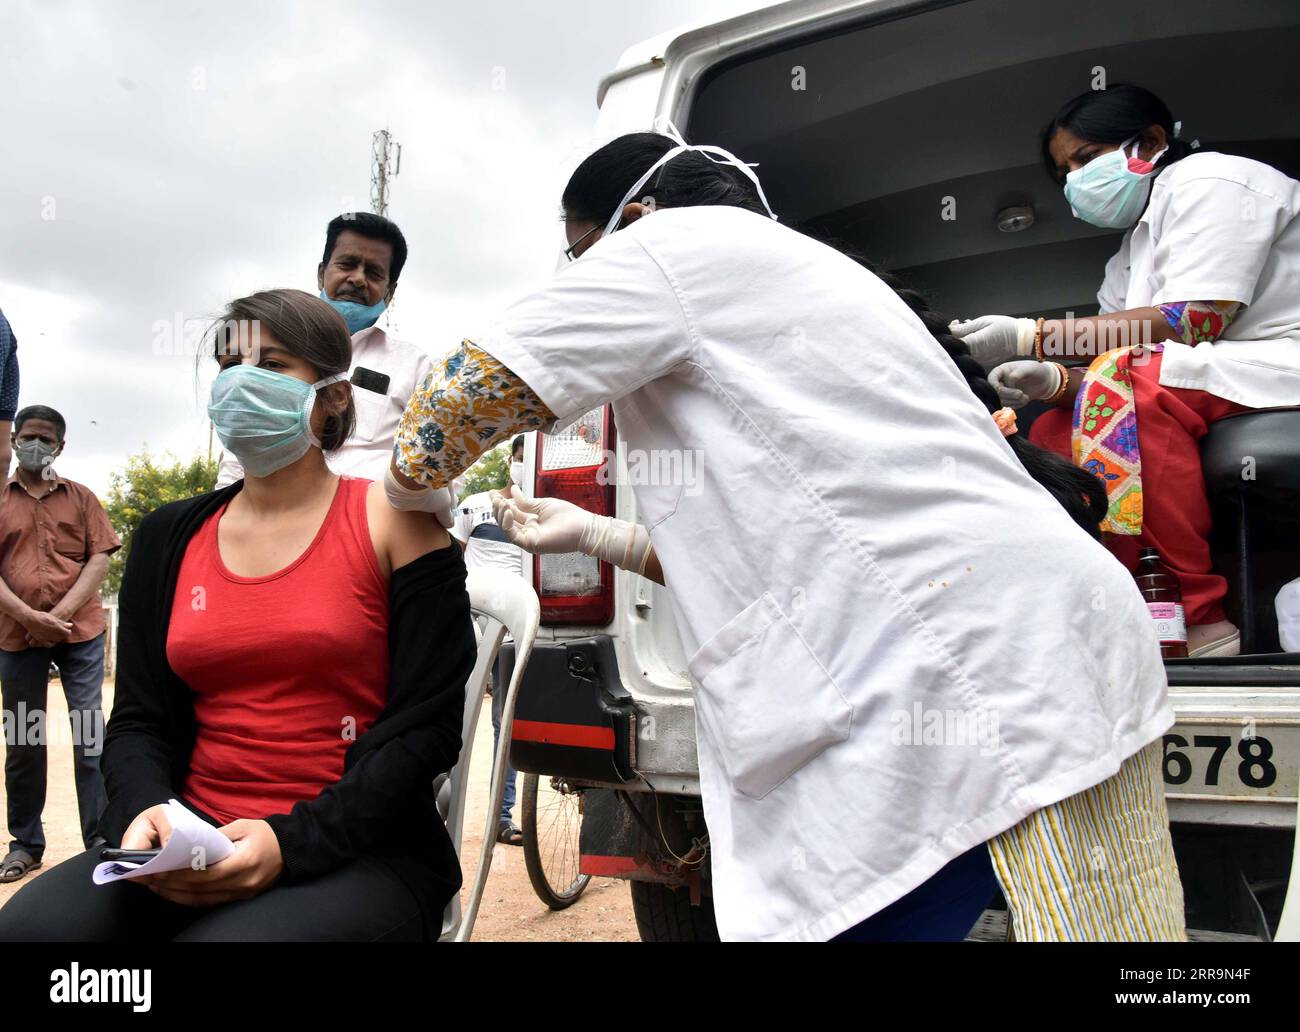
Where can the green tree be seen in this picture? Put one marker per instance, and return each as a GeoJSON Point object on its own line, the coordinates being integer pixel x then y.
{"type": "Point", "coordinates": [142, 487]}
{"type": "Point", "coordinates": [490, 473]}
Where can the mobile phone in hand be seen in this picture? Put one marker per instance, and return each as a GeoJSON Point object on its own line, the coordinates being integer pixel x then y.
{"type": "Point", "coordinates": [130, 856]}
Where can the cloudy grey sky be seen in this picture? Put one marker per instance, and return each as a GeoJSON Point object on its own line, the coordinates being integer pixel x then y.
{"type": "Point", "coordinates": [162, 158]}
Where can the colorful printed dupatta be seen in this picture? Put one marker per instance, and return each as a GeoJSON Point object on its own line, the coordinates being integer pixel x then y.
{"type": "Point", "coordinates": [1104, 435]}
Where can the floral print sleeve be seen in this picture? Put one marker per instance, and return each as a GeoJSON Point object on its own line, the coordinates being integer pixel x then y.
{"type": "Point", "coordinates": [468, 403]}
{"type": "Point", "coordinates": [1197, 321]}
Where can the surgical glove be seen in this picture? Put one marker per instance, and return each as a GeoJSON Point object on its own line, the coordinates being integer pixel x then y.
{"type": "Point", "coordinates": [1019, 383]}
{"type": "Point", "coordinates": [545, 526]}
{"type": "Point", "coordinates": [438, 501]}
{"type": "Point", "coordinates": [994, 339]}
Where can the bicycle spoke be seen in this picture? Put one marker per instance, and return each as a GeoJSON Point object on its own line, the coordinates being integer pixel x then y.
{"type": "Point", "coordinates": [558, 831]}
{"type": "Point", "coordinates": [555, 840]}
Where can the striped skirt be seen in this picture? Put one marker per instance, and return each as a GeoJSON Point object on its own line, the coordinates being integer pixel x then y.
{"type": "Point", "coordinates": [1098, 866]}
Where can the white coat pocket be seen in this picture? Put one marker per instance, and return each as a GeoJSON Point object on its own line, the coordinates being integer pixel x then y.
{"type": "Point", "coordinates": [766, 699]}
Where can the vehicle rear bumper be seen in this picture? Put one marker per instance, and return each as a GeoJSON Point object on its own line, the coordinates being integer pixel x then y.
{"type": "Point", "coordinates": [1232, 757]}
{"type": "Point", "coordinates": [575, 718]}
{"type": "Point", "coordinates": [1258, 769]}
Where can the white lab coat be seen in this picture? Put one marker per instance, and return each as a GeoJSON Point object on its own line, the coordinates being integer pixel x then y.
{"type": "Point", "coordinates": [370, 448]}
{"type": "Point", "coordinates": [1220, 228]}
{"type": "Point", "coordinates": [928, 583]}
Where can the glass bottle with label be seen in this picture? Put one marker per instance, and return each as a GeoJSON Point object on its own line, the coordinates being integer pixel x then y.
{"type": "Point", "coordinates": [1164, 598]}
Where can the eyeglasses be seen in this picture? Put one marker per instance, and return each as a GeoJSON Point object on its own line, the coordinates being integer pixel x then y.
{"type": "Point", "coordinates": [568, 251]}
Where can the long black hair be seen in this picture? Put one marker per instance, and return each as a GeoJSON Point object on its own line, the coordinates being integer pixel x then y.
{"type": "Point", "coordinates": [600, 182]}
{"type": "Point", "coordinates": [1112, 116]}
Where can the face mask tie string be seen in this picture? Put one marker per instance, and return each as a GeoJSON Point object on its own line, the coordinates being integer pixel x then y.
{"type": "Point", "coordinates": [718, 155]}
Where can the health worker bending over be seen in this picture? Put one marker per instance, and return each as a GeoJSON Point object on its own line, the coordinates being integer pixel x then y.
{"type": "Point", "coordinates": [1207, 277]}
{"type": "Point", "coordinates": [711, 327]}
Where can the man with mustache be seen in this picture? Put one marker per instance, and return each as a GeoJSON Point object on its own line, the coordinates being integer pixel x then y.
{"type": "Point", "coordinates": [357, 276]}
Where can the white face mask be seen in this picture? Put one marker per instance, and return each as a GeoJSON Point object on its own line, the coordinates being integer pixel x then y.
{"type": "Point", "coordinates": [723, 157]}
{"type": "Point", "coordinates": [517, 474]}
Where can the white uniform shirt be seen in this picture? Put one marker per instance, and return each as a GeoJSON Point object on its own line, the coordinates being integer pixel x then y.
{"type": "Point", "coordinates": [484, 552]}
{"type": "Point", "coordinates": [929, 578]}
{"type": "Point", "coordinates": [370, 448]}
{"type": "Point", "coordinates": [1220, 228]}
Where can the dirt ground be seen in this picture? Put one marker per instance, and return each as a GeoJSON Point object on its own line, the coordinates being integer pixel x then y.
{"type": "Point", "coordinates": [510, 910]}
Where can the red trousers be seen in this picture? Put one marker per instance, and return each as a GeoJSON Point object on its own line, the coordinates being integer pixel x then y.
{"type": "Point", "coordinates": [1175, 510]}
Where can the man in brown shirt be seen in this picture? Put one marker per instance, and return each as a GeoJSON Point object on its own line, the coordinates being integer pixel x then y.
{"type": "Point", "coordinates": [55, 540]}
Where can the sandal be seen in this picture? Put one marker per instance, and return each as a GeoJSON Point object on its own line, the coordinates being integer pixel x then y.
{"type": "Point", "coordinates": [509, 833]}
{"type": "Point", "coordinates": [17, 864]}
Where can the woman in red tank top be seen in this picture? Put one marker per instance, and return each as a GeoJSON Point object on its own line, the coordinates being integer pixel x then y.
{"type": "Point", "coordinates": [276, 708]}
{"type": "Point", "coordinates": [293, 654]}
{"type": "Point", "coordinates": [280, 620]}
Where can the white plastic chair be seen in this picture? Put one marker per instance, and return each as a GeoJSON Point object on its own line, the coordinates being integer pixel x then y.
{"type": "Point", "coordinates": [509, 606]}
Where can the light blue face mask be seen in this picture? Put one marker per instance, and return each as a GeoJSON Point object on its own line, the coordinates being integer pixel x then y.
{"type": "Point", "coordinates": [1111, 190]}
{"type": "Point", "coordinates": [357, 316]}
{"type": "Point", "coordinates": [264, 418]}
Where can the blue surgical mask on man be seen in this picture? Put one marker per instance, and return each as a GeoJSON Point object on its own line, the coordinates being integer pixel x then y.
{"type": "Point", "coordinates": [357, 316]}
{"type": "Point", "coordinates": [1111, 190]}
{"type": "Point", "coordinates": [264, 418]}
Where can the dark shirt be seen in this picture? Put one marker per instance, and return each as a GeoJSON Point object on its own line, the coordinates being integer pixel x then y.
{"type": "Point", "coordinates": [383, 805]}
{"type": "Point", "coordinates": [8, 371]}
{"type": "Point", "coordinates": [489, 532]}
{"type": "Point", "coordinates": [45, 543]}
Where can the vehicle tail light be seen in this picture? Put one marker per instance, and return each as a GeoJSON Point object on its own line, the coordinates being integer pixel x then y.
{"type": "Point", "coordinates": [575, 588]}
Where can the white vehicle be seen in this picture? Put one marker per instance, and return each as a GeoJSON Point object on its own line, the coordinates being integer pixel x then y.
{"type": "Point", "coordinates": [876, 120]}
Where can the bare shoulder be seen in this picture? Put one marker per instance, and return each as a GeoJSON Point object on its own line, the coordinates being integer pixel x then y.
{"type": "Point", "coordinates": [401, 537]}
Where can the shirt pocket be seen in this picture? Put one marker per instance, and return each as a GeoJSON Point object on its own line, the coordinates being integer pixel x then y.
{"type": "Point", "coordinates": [70, 539]}
{"type": "Point", "coordinates": [766, 698]}
{"type": "Point", "coordinates": [371, 408]}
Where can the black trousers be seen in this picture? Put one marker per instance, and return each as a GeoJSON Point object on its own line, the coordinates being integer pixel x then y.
{"type": "Point", "coordinates": [364, 901]}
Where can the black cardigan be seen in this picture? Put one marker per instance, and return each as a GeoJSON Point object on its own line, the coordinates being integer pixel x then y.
{"type": "Point", "coordinates": [383, 805]}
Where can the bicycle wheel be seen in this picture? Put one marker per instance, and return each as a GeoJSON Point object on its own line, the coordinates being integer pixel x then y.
{"type": "Point", "coordinates": [551, 819]}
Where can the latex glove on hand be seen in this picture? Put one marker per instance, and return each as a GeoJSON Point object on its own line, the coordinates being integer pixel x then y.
{"type": "Point", "coordinates": [542, 526]}
{"type": "Point", "coordinates": [994, 339]}
{"type": "Point", "coordinates": [439, 501]}
{"type": "Point", "coordinates": [1019, 383]}
{"type": "Point", "coordinates": [546, 526]}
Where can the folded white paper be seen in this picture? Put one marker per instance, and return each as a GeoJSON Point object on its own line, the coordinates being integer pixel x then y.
{"type": "Point", "coordinates": [191, 839]}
